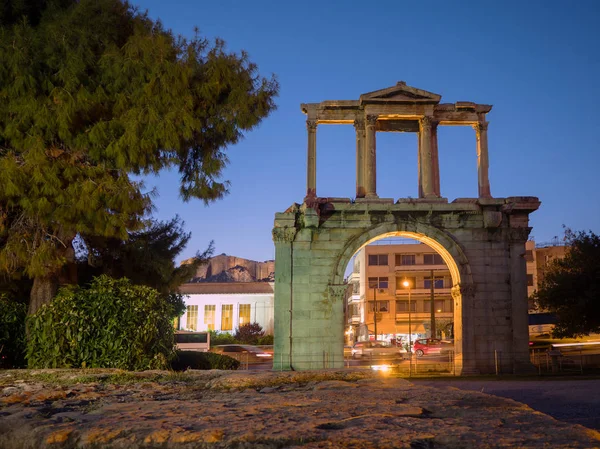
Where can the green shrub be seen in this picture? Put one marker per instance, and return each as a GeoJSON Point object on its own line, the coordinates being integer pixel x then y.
{"type": "Point", "coordinates": [265, 340]}
{"type": "Point", "coordinates": [203, 360]}
{"type": "Point", "coordinates": [221, 338]}
{"type": "Point", "coordinates": [110, 324]}
{"type": "Point", "coordinates": [12, 333]}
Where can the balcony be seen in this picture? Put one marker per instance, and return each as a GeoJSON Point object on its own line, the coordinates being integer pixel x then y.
{"type": "Point", "coordinates": [423, 291]}
{"type": "Point", "coordinates": [421, 267]}
{"type": "Point", "coordinates": [354, 319]}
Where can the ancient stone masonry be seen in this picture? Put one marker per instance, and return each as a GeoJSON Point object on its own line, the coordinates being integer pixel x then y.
{"type": "Point", "coordinates": [482, 240]}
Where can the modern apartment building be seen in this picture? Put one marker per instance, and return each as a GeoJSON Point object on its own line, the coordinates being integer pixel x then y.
{"type": "Point", "coordinates": [538, 257]}
{"type": "Point", "coordinates": [392, 289]}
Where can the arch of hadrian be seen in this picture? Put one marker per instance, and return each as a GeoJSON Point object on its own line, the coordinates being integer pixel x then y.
{"type": "Point", "coordinates": [482, 240]}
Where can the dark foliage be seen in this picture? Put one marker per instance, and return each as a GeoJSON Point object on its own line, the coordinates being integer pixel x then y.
{"type": "Point", "coordinates": [203, 361]}
{"type": "Point", "coordinates": [249, 333]}
{"type": "Point", "coordinates": [12, 333]}
{"type": "Point", "coordinates": [571, 287]}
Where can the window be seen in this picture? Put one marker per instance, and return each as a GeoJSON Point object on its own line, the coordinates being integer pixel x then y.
{"type": "Point", "coordinates": [227, 317]}
{"type": "Point", "coordinates": [400, 283]}
{"type": "Point", "coordinates": [405, 259]}
{"type": "Point", "coordinates": [377, 282]}
{"type": "Point", "coordinates": [530, 279]}
{"type": "Point", "coordinates": [378, 259]}
{"type": "Point", "coordinates": [354, 310]}
{"type": "Point", "coordinates": [529, 255]}
{"type": "Point", "coordinates": [192, 318]}
{"type": "Point", "coordinates": [433, 259]}
{"type": "Point", "coordinates": [438, 282]}
{"type": "Point", "coordinates": [244, 314]}
{"type": "Point", "coordinates": [209, 317]}
{"type": "Point", "coordinates": [440, 306]}
{"type": "Point", "coordinates": [382, 306]}
{"type": "Point", "coordinates": [402, 306]}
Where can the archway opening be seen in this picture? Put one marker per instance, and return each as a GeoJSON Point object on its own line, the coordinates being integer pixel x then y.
{"type": "Point", "coordinates": [402, 303]}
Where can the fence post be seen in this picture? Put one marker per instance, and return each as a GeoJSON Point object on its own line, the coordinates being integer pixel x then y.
{"type": "Point", "coordinates": [496, 360]}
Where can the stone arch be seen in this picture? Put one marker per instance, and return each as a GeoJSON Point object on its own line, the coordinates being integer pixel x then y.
{"type": "Point", "coordinates": [444, 244]}
{"type": "Point", "coordinates": [437, 239]}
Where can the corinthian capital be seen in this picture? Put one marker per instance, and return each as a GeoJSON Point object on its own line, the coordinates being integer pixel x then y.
{"type": "Point", "coordinates": [359, 124]}
{"type": "Point", "coordinates": [425, 122]}
{"type": "Point", "coordinates": [480, 126]}
{"type": "Point", "coordinates": [311, 125]}
{"type": "Point", "coordinates": [371, 120]}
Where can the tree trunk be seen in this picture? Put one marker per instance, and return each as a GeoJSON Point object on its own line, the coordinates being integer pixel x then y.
{"type": "Point", "coordinates": [43, 290]}
{"type": "Point", "coordinates": [45, 287]}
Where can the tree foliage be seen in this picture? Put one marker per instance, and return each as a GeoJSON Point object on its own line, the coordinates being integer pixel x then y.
{"type": "Point", "coordinates": [110, 324]}
{"type": "Point", "coordinates": [146, 257]}
{"type": "Point", "coordinates": [571, 287]}
{"type": "Point", "coordinates": [93, 91]}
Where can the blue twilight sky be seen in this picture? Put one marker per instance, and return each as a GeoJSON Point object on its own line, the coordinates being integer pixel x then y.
{"type": "Point", "coordinates": [536, 61]}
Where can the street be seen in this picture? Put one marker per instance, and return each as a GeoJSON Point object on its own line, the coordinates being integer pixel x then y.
{"type": "Point", "coordinates": [574, 401]}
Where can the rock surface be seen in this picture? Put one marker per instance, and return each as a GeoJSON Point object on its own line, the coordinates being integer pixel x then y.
{"type": "Point", "coordinates": [253, 409]}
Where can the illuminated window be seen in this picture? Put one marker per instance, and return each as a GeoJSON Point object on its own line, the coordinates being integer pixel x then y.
{"type": "Point", "coordinates": [382, 306]}
{"type": "Point", "coordinates": [432, 259]}
{"type": "Point", "coordinates": [244, 314]}
{"type": "Point", "coordinates": [438, 283]}
{"type": "Point", "coordinates": [192, 318]}
{"type": "Point", "coordinates": [405, 259]}
{"type": "Point", "coordinates": [440, 306]}
{"type": "Point", "coordinates": [378, 259]}
{"type": "Point", "coordinates": [227, 317]}
{"type": "Point", "coordinates": [402, 306]}
{"type": "Point", "coordinates": [377, 282]}
{"type": "Point", "coordinates": [209, 317]}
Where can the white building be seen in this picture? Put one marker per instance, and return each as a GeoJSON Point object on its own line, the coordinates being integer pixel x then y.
{"type": "Point", "coordinates": [224, 307]}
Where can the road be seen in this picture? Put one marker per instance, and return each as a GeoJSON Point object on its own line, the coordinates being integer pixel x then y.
{"type": "Point", "coordinates": [575, 401]}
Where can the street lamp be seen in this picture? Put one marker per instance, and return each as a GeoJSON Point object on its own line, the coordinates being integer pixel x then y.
{"type": "Point", "coordinates": [406, 284]}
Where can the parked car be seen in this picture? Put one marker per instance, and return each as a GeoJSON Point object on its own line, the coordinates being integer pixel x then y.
{"type": "Point", "coordinates": [244, 353]}
{"type": "Point", "coordinates": [376, 349]}
{"type": "Point", "coordinates": [428, 346]}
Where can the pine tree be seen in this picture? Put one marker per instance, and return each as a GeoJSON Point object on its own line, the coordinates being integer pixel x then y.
{"type": "Point", "coordinates": [93, 91]}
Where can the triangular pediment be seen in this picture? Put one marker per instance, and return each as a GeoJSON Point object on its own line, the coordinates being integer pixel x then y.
{"type": "Point", "coordinates": [400, 93]}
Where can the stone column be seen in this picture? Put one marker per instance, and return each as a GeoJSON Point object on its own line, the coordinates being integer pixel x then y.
{"type": "Point", "coordinates": [435, 161]}
{"type": "Point", "coordinates": [482, 159]}
{"type": "Point", "coordinates": [359, 125]}
{"type": "Point", "coordinates": [425, 164]}
{"type": "Point", "coordinates": [311, 167]}
{"type": "Point", "coordinates": [518, 290]}
{"type": "Point", "coordinates": [370, 174]}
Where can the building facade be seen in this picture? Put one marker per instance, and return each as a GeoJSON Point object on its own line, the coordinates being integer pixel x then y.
{"type": "Point", "coordinates": [538, 257]}
{"type": "Point", "coordinates": [226, 306]}
{"type": "Point", "coordinates": [392, 289]}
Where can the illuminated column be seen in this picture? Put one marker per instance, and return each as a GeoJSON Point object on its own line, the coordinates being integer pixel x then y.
{"type": "Point", "coordinates": [435, 161]}
{"type": "Point", "coordinates": [311, 167]}
{"type": "Point", "coordinates": [425, 160]}
{"type": "Point", "coordinates": [359, 125]}
{"type": "Point", "coordinates": [370, 174]}
{"type": "Point", "coordinates": [482, 159]}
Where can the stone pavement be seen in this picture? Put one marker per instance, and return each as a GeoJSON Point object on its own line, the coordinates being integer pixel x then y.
{"type": "Point", "coordinates": [222, 409]}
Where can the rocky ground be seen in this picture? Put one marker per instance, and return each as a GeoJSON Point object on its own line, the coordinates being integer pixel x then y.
{"type": "Point", "coordinates": [224, 409]}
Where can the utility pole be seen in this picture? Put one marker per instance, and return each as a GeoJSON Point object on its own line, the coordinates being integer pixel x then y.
{"type": "Point", "coordinates": [433, 330]}
{"type": "Point", "coordinates": [375, 311]}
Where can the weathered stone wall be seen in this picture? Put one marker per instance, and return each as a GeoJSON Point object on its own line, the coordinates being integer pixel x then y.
{"type": "Point", "coordinates": [482, 241]}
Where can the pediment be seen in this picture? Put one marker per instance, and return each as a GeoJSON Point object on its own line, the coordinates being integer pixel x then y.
{"type": "Point", "coordinates": [400, 93]}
